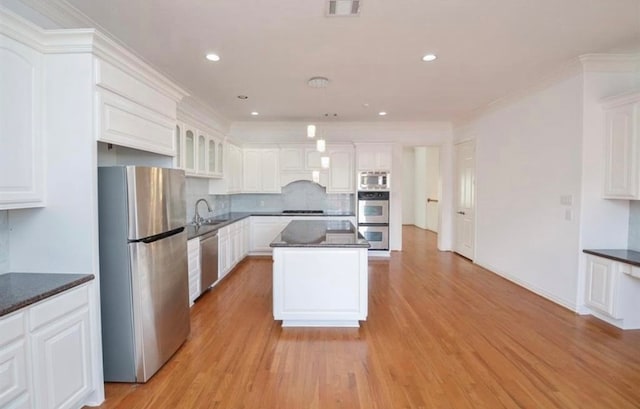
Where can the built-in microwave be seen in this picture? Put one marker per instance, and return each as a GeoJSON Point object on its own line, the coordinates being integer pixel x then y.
{"type": "Point", "coordinates": [373, 180]}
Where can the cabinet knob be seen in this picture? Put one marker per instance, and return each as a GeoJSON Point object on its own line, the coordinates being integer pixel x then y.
{"type": "Point", "coordinates": [462, 213]}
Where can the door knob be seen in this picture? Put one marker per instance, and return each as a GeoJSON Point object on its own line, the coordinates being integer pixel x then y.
{"type": "Point", "coordinates": [462, 213]}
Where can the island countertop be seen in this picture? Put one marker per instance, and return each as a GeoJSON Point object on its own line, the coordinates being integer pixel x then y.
{"type": "Point", "coordinates": [320, 233]}
{"type": "Point", "coordinates": [18, 290]}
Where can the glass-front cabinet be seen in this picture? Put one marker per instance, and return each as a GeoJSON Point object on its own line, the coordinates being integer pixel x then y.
{"type": "Point", "coordinates": [200, 153]}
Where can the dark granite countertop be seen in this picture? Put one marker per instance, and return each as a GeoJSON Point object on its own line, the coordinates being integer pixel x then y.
{"type": "Point", "coordinates": [229, 218]}
{"type": "Point", "coordinates": [320, 233]}
{"type": "Point", "coordinates": [18, 290]}
{"type": "Point", "coordinates": [624, 255]}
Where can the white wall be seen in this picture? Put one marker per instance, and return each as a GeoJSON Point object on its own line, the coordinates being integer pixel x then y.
{"type": "Point", "coordinates": [408, 180]}
{"type": "Point", "coordinates": [527, 156]}
{"type": "Point", "coordinates": [420, 186]}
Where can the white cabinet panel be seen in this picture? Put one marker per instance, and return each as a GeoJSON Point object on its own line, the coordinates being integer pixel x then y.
{"type": "Point", "coordinates": [13, 361]}
{"type": "Point", "coordinates": [263, 230]}
{"type": "Point", "coordinates": [341, 173]}
{"type": "Point", "coordinates": [374, 156]}
{"type": "Point", "coordinates": [602, 285]}
{"type": "Point", "coordinates": [261, 171]}
{"type": "Point", "coordinates": [193, 266]}
{"type": "Point", "coordinates": [21, 118]}
{"type": "Point", "coordinates": [123, 122]}
{"type": "Point", "coordinates": [622, 147]}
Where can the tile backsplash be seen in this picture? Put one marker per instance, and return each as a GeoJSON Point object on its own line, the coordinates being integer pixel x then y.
{"type": "Point", "coordinates": [300, 195]}
{"type": "Point", "coordinates": [634, 225]}
{"type": "Point", "coordinates": [4, 241]}
{"type": "Point", "coordinates": [198, 188]}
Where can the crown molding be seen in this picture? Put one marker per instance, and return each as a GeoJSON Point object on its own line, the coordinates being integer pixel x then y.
{"type": "Point", "coordinates": [610, 62]}
{"type": "Point", "coordinates": [194, 111]}
{"type": "Point", "coordinates": [87, 41]}
{"type": "Point", "coordinates": [62, 13]}
{"type": "Point", "coordinates": [569, 69]}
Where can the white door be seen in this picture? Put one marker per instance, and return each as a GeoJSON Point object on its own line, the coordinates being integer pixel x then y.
{"type": "Point", "coordinates": [465, 199]}
{"type": "Point", "coordinates": [433, 188]}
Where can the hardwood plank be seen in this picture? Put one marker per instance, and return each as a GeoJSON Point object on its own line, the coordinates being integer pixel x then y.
{"type": "Point", "coordinates": [442, 333]}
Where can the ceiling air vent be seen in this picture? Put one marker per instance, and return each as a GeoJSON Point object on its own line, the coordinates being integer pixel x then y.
{"type": "Point", "coordinates": [343, 8]}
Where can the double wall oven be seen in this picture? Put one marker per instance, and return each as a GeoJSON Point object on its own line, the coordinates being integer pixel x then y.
{"type": "Point", "coordinates": [373, 218]}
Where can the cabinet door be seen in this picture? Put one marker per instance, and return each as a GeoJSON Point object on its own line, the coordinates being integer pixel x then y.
{"type": "Point", "coordinates": [211, 156]}
{"type": "Point", "coordinates": [251, 180]}
{"type": "Point", "coordinates": [13, 362]}
{"type": "Point", "coordinates": [21, 147]}
{"type": "Point", "coordinates": [602, 285]}
{"type": "Point", "coordinates": [292, 159]}
{"type": "Point", "coordinates": [189, 151]}
{"type": "Point", "coordinates": [270, 171]}
{"type": "Point", "coordinates": [621, 149]}
{"type": "Point", "coordinates": [62, 361]}
{"type": "Point", "coordinates": [202, 154]}
{"type": "Point", "coordinates": [264, 230]}
{"type": "Point", "coordinates": [193, 266]}
{"type": "Point", "coordinates": [220, 160]}
{"type": "Point", "coordinates": [341, 174]}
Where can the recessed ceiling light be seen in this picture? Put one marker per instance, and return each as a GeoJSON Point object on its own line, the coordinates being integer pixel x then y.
{"type": "Point", "coordinates": [382, 113]}
{"type": "Point", "coordinates": [429, 57]}
{"type": "Point", "coordinates": [254, 113]}
{"type": "Point", "coordinates": [213, 57]}
{"type": "Point", "coordinates": [243, 97]}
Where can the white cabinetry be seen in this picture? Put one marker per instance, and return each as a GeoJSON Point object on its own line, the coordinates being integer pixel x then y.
{"type": "Point", "coordinates": [602, 285]}
{"type": "Point", "coordinates": [199, 152]}
{"type": "Point", "coordinates": [263, 230]}
{"type": "Point", "coordinates": [232, 180]}
{"type": "Point", "coordinates": [14, 384]}
{"type": "Point", "coordinates": [193, 265]}
{"type": "Point", "coordinates": [47, 345]}
{"type": "Point", "coordinates": [612, 291]}
{"type": "Point", "coordinates": [21, 118]}
{"type": "Point", "coordinates": [622, 147]}
{"type": "Point", "coordinates": [232, 246]}
{"type": "Point", "coordinates": [374, 156]}
{"type": "Point", "coordinates": [341, 173]}
{"type": "Point", "coordinates": [134, 113]}
{"type": "Point", "coordinates": [261, 171]}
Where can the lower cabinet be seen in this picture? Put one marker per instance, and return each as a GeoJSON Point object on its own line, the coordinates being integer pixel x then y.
{"type": "Point", "coordinates": [602, 285]}
{"type": "Point", "coordinates": [612, 291]}
{"type": "Point", "coordinates": [263, 230]}
{"type": "Point", "coordinates": [193, 266]}
{"type": "Point", "coordinates": [45, 359]}
{"type": "Point", "coordinates": [232, 246]}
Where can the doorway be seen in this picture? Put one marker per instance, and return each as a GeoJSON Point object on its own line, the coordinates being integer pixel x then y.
{"type": "Point", "coordinates": [465, 196]}
{"type": "Point", "coordinates": [422, 187]}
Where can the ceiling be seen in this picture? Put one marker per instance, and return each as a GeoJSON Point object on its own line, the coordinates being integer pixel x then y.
{"type": "Point", "coordinates": [269, 49]}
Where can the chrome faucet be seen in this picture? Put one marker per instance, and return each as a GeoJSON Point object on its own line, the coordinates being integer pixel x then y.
{"type": "Point", "coordinates": [197, 219]}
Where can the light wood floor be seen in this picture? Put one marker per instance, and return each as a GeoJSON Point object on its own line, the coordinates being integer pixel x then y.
{"type": "Point", "coordinates": [441, 333]}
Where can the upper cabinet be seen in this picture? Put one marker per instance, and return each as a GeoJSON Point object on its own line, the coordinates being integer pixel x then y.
{"type": "Point", "coordinates": [21, 118]}
{"type": "Point", "coordinates": [134, 111]}
{"type": "Point", "coordinates": [622, 147]}
{"type": "Point", "coordinates": [198, 152]}
{"type": "Point", "coordinates": [341, 172]}
{"type": "Point", "coordinates": [261, 170]}
{"type": "Point", "coordinates": [231, 161]}
{"type": "Point", "coordinates": [374, 156]}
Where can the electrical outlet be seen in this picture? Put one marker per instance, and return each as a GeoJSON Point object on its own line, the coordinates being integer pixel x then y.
{"type": "Point", "coordinates": [262, 203]}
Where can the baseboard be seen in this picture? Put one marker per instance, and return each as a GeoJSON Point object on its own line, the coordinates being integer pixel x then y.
{"type": "Point", "coordinates": [534, 289]}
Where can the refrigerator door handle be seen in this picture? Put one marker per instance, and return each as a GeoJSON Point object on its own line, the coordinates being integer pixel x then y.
{"type": "Point", "coordinates": [160, 236]}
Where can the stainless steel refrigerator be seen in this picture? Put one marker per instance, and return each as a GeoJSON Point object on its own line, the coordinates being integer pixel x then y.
{"type": "Point", "coordinates": [144, 285]}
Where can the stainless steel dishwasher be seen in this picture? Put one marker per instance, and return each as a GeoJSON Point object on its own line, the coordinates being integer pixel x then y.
{"type": "Point", "coordinates": [208, 260]}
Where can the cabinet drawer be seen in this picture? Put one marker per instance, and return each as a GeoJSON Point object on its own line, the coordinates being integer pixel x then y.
{"type": "Point", "coordinates": [58, 306]}
{"type": "Point", "coordinates": [11, 328]}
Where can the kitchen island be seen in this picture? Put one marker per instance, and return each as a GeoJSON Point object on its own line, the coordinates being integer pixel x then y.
{"type": "Point", "coordinates": [320, 274]}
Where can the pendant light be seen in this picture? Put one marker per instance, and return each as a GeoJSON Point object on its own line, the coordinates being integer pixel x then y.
{"type": "Point", "coordinates": [315, 176]}
{"type": "Point", "coordinates": [311, 131]}
{"type": "Point", "coordinates": [324, 162]}
{"type": "Point", "coordinates": [321, 145]}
